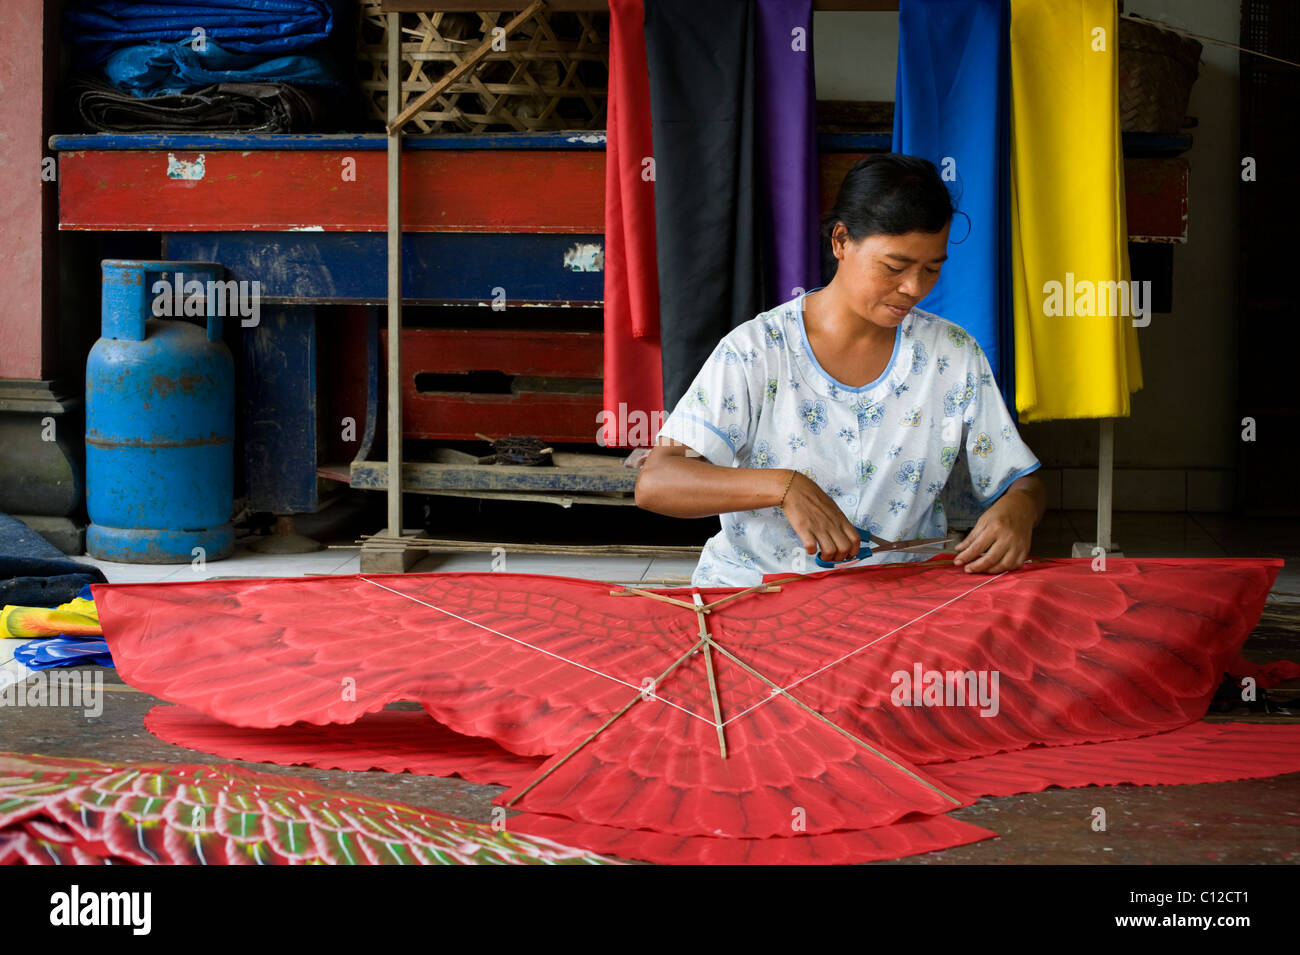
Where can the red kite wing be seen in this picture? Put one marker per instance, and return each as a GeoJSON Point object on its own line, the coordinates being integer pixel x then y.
{"type": "Point", "coordinates": [1078, 655]}
{"type": "Point", "coordinates": [526, 660]}
{"type": "Point", "coordinates": [786, 771]}
{"type": "Point", "coordinates": [395, 741]}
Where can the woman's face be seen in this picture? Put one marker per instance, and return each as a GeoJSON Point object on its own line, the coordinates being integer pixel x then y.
{"type": "Point", "coordinates": [883, 276]}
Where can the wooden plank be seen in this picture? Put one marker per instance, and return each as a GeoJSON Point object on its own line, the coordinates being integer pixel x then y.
{"type": "Point", "coordinates": [337, 142]}
{"type": "Point", "coordinates": [545, 354]}
{"type": "Point", "coordinates": [1135, 144]}
{"type": "Point", "coordinates": [442, 191]}
{"type": "Point", "coordinates": [418, 476]}
{"type": "Point", "coordinates": [1155, 196]}
{"type": "Point", "coordinates": [460, 415]}
{"type": "Point", "coordinates": [542, 497]}
{"type": "Point", "coordinates": [451, 545]}
{"type": "Point", "coordinates": [393, 223]}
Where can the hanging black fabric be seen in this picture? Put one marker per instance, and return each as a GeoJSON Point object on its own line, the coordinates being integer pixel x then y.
{"type": "Point", "coordinates": [701, 64]}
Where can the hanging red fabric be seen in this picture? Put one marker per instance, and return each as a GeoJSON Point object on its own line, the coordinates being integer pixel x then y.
{"type": "Point", "coordinates": [633, 369]}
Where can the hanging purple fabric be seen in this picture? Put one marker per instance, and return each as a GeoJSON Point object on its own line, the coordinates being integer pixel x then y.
{"type": "Point", "coordinates": [787, 148]}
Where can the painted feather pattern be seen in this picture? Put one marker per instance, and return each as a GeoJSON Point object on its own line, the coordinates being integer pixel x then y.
{"type": "Point", "coordinates": [61, 811]}
{"type": "Point", "coordinates": [805, 679]}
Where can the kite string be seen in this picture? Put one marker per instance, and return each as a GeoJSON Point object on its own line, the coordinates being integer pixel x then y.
{"type": "Point", "coordinates": [895, 630]}
{"type": "Point", "coordinates": [609, 722]}
{"type": "Point", "coordinates": [525, 643]}
{"type": "Point", "coordinates": [809, 676]}
{"type": "Point", "coordinates": [777, 691]}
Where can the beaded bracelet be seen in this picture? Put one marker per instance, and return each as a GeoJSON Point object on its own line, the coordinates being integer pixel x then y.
{"type": "Point", "coordinates": [787, 488]}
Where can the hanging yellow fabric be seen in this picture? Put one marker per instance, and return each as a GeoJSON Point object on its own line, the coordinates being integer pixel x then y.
{"type": "Point", "coordinates": [1075, 357]}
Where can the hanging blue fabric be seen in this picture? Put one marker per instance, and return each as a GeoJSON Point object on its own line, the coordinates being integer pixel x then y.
{"type": "Point", "coordinates": [264, 27]}
{"type": "Point", "coordinates": [951, 106]}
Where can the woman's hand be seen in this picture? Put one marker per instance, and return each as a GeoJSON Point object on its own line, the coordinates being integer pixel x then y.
{"type": "Point", "coordinates": [818, 521]}
{"type": "Point", "coordinates": [1001, 537]}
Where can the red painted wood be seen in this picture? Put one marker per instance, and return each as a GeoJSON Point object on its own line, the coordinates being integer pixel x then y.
{"type": "Point", "coordinates": [442, 191]}
{"type": "Point", "coordinates": [458, 415]}
{"type": "Point", "coordinates": [449, 415]}
{"type": "Point", "coordinates": [1156, 199]}
{"type": "Point", "coordinates": [547, 354]}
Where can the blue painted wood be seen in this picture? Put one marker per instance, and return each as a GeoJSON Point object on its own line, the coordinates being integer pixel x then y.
{"type": "Point", "coordinates": [363, 142]}
{"type": "Point", "coordinates": [444, 268]}
{"type": "Point", "coordinates": [279, 386]}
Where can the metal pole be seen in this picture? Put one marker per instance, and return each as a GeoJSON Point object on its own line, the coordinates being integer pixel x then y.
{"type": "Point", "coordinates": [394, 279]}
{"type": "Point", "coordinates": [1105, 482]}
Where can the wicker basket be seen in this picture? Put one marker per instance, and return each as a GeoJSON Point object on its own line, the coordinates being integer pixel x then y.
{"type": "Point", "coordinates": [553, 75]}
{"type": "Point", "coordinates": [1156, 71]}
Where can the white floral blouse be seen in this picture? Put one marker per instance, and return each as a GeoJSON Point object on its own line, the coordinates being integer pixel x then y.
{"type": "Point", "coordinates": [883, 452]}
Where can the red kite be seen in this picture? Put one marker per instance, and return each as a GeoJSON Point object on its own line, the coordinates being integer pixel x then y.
{"type": "Point", "coordinates": [812, 706]}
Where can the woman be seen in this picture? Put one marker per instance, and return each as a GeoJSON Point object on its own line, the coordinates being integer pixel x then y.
{"type": "Point", "coordinates": [848, 408]}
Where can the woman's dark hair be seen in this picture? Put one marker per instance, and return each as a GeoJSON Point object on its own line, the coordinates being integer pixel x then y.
{"type": "Point", "coordinates": [887, 194]}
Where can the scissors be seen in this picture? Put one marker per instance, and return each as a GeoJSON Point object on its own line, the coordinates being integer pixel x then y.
{"type": "Point", "coordinates": [872, 543]}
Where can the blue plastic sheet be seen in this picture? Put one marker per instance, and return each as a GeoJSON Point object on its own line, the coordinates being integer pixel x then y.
{"type": "Point", "coordinates": [951, 107]}
{"type": "Point", "coordinates": [267, 28]}
{"type": "Point", "coordinates": [156, 69]}
{"type": "Point", "coordinates": [63, 652]}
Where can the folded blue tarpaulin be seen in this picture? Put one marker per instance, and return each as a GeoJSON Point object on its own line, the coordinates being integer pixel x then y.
{"type": "Point", "coordinates": [263, 27]}
{"type": "Point", "coordinates": [157, 69]}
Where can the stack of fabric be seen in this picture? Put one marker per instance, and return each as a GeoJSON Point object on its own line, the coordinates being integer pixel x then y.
{"type": "Point", "coordinates": [66, 635]}
{"type": "Point", "coordinates": [191, 65]}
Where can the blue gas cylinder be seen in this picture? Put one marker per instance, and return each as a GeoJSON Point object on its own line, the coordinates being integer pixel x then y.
{"type": "Point", "coordinates": [160, 418]}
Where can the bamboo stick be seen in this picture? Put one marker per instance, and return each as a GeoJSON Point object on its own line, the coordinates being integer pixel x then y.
{"type": "Point", "coordinates": [629, 591]}
{"type": "Point", "coordinates": [401, 119]}
{"type": "Point", "coordinates": [708, 668]}
{"type": "Point", "coordinates": [394, 184]}
{"type": "Point", "coordinates": [839, 729]}
{"type": "Point", "coordinates": [630, 703]}
{"type": "Point", "coordinates": [611, 550]}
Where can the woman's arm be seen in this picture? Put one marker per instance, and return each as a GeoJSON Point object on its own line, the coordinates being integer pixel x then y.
{"type": "Point", "coordinates": [673, 484]}
{"type": "Point", "coordinates": [1001, 537]}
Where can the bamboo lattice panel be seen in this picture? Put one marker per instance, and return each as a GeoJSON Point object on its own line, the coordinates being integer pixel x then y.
{"type": "Point", "coordinates": [553, 72]}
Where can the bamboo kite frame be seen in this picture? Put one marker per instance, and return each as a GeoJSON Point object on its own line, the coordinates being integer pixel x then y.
{"type": "Point", "coordinates": [708, 644]}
